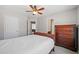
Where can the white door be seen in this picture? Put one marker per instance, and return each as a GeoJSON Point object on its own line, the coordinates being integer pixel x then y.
{"type": "Point", "coordinates": [11, 27]}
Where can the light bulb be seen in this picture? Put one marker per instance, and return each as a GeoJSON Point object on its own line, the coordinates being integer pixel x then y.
{"type": "Point", "coordinates": [34, 12]}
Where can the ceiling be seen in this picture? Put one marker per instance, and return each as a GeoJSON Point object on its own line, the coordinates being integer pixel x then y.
{"type": "Point", "coordinates": [57, 8]}
{"type": "Point", "coordinates": [49, 9]}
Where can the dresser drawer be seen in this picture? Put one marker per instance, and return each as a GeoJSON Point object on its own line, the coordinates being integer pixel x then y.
{"type": "Point", "coordinates": [67, 42]}
{"type": "Point", "coordinates": [65, 29]}
{"type": "Point", "coordinates": [65, 32]}
{"type": "Point", "coordinates": [65, 36]}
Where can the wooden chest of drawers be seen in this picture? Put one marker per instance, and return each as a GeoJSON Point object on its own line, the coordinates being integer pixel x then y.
{"type": "Point", "coordinates": [66, 36]}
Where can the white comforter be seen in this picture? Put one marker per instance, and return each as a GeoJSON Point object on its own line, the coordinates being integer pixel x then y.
{"type": "Point", "coordinates": [26, 45]}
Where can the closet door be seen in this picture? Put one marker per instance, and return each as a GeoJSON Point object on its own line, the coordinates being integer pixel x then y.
{"type": "Point", "coordinates": [11, 27]}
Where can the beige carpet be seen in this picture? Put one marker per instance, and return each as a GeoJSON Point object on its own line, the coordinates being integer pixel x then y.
{"type": "Point", "coordinates": [61, 50]}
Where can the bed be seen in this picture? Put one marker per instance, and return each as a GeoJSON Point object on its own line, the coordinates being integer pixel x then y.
{"type": "Point", "coordinates": [31, 44]}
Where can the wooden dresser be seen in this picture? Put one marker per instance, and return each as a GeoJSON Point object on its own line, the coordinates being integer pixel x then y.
{"type": "Point", "coordinates": [66, 36]}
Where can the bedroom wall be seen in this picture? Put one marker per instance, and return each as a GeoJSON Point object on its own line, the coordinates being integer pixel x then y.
{"type": "Point", "coordinates": [15, 21]}
{"type": "Point", "coordinates": [42, 24]}
{"type": "Point", "coordinates": [64, 17]}
{"type": "Point", "coordinates": [67, 17]}
{"type": "Point", "coordinates": [78, 26]}
{"type": "Point", "coordinates": [1, 25]}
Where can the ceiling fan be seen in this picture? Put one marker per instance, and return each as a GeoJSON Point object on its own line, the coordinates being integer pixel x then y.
{"type": "Point", "coordinates": [35, 10]}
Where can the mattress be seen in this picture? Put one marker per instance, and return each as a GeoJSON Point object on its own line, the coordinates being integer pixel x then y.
{"type": "Point", "coordinates": [31, 44]}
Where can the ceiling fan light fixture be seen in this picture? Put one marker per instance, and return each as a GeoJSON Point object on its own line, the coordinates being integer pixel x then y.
{"type": "Point", "coordinates": [34, 12]}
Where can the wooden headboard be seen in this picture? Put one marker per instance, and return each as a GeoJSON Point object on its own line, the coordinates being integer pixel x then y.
{"type": "Point", "coordinates": [44, 34]}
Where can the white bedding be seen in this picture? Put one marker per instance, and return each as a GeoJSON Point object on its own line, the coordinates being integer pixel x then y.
{"type": "Point", "coordinates": [32, 44]}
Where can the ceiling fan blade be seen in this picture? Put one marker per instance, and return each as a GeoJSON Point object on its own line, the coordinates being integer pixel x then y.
{"type": "Point", "coordinates": [40, 9]}
{"type": "Point", "coordinates": [31, 6]}
{"type": "Point", "coordinates": [35, 7]}
{"type": "Point", "coordinates": [28, 11]}
{"type": "Point", "coordinates": [40, 13]}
